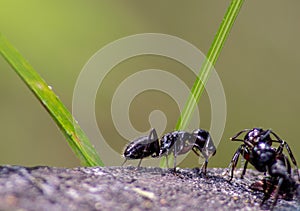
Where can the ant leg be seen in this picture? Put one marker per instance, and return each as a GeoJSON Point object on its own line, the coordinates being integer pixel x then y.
{"type": "Point", "coordinates": [139, 163]}
{"type": "Point", "coordinates": [153, 134]}
{"type": "Point", "coordinates": [266, 133]}
{"type": "Point", "coordinates": [153, 138]}
{"type": "Point", "coordinates": [234, 160]}
{"type": "Point", "coordinates": [277, 192]}
{"type": "Point", "coordinates": [279, 140]}
{"type": "Point", "coordinates": [175, 154]}
{"type": "Point", "coordinates": [175, 164]}
{"type": "Point", "coordinates": [276, 136]}
{"type": "Point", "coordinates": [204, 167]}
{"type": "Point", "coordinates": [244, 170]}
{"type": "Point", "coordinates": [234, 138]}
{"type": "Point", "coordinates": [167, 161]}
{"type": "Point", "coordinates": [266, 196]}
{"type": "Point", "coordinates": [195, 152]}
{"type": "Point", "coordinates": [267, 193]}
{"type": "Point", "coordinates": [265, 185]}
{"type": "Point", "coordinates": [287, 164]}
{"type": "Point", "coordinates": [124, 162]}
{"type": "Point", "coordinates": [293, 159]}
{"type": "Point", "coordinates": [282, 144]}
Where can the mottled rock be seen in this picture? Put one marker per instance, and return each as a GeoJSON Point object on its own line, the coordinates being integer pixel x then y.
{"type": "Point", "coordinates": [128, 188]}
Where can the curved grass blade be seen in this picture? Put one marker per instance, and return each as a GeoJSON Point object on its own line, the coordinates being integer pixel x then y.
{"type": "Point", "coordinates": [210, 61]}
{"type": "Point", "coordinates": [77, 139]}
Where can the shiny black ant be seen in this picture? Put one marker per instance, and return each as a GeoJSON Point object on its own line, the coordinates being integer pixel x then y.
{"type": "Point", "coordinates": [257, 149]}
{"type": "Point", "coordinates": [252, 138]}
{"type": "Point", "coordinates": [286, 187]}
{"type": "Point", "coordinates": [176, 142]}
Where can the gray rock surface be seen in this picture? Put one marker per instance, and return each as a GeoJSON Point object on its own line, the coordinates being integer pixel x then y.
{"type": "Point", "coordinates": [128, 188]}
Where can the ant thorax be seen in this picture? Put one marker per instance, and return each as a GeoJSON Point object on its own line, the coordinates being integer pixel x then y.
{"type": "Point", "coordinates": [178, 142]}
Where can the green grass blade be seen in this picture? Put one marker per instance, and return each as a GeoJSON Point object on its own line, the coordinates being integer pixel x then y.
{"type": "Point", "coordinates": [210, 61]}
{"type": "Point", "coordinates": [77, 139]}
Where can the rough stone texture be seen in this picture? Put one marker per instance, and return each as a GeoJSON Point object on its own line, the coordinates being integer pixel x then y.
{"type": "Point", "coordinates": [128, 188]}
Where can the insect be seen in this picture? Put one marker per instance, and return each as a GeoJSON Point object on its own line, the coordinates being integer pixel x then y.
{"type": "Point", "coordinates": [288, 189]}
{"type": "Point", "coordinates": [176, 142]}
{"type": "Point", "coordinates": [280, 181]}
{"type": "Point", "coordinates": [180, 142]}
{"type": "Point", "coordinates": [257, 149]}
{"type": "Point", "coordinates": [252, 138]}
{"type": "Point", "coordinates": [142, 147]}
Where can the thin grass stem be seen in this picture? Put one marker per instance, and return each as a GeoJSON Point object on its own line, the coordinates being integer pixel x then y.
{"type": "Point", "coordinates": [210, 61]}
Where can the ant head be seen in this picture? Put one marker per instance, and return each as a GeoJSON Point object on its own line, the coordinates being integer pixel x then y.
{"type": "Point", "coordinates": [204, 142]}
{"type": "Point", "coordinates": [201, 135]}
{"type": "Point", "coordinates": [131, 152]}
{"type": "Point", "coordinates": [256, 135]}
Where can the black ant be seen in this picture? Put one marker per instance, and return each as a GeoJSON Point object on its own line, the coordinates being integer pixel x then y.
{"type": "Point", "coordinates": [257, 149]}
{"type": "Point", "coordinates": [176, 142]}
{"type": "Point", "coordinates": [252, 138]}
{"type": "Point", "coordinates": [286, 187]}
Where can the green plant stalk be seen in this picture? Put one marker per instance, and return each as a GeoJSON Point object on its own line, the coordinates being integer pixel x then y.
{"type": "Point", "coordinates": [210, 61]}
{"type": "Point", "coordinates": [75, 136]}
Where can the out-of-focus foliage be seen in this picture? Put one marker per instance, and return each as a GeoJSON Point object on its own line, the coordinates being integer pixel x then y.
{"type": "Point", "coordinates": [58, 37]}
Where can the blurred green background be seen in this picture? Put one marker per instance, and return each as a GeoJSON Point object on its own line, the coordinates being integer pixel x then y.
{"type": "Point", "coordinates": [258, 67]}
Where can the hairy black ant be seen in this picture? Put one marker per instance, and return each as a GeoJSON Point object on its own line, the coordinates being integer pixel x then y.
{"type": "Point", "coordinates": [257, 149]}
{"type": "Point", "coordinates": [176, 142]}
